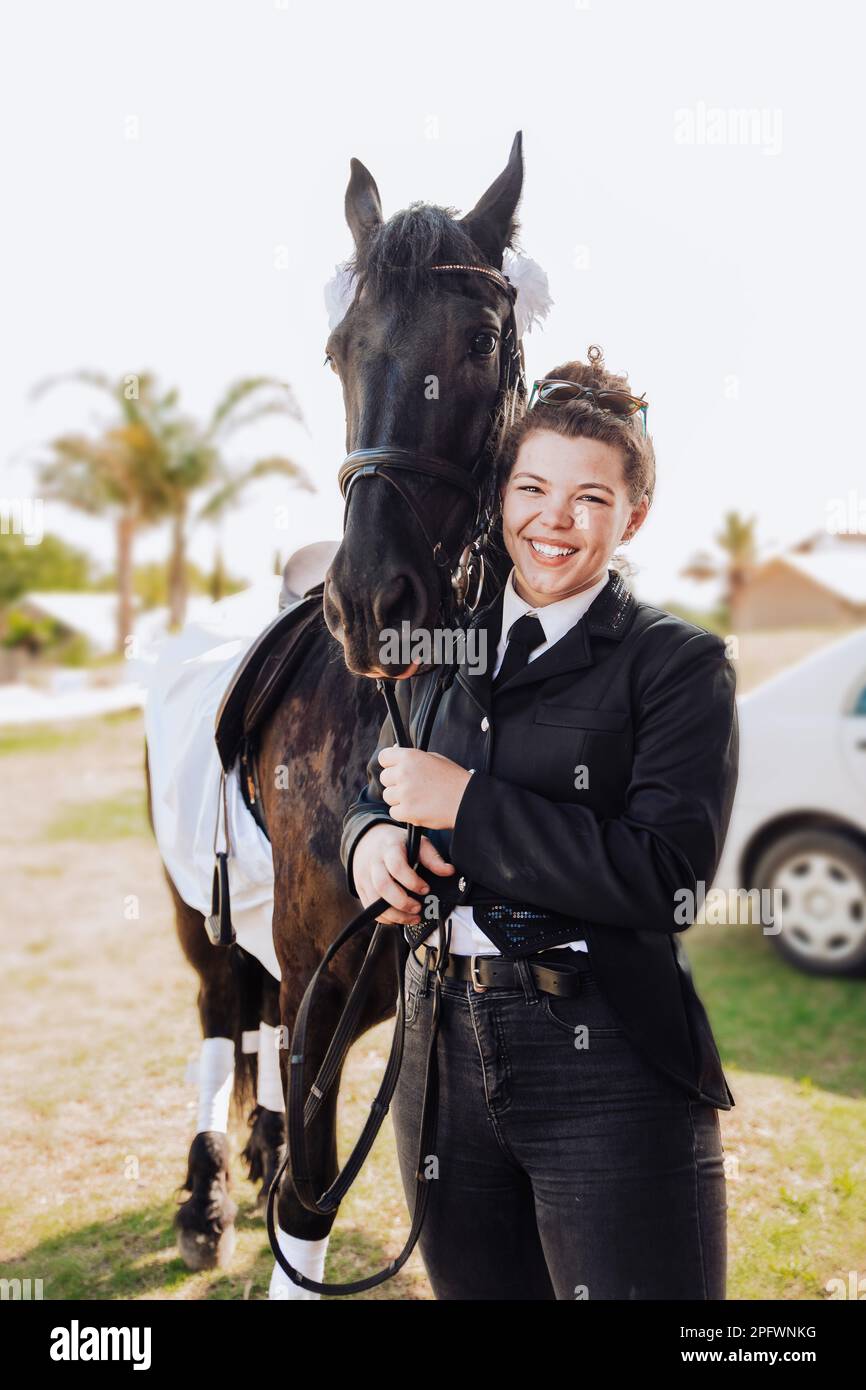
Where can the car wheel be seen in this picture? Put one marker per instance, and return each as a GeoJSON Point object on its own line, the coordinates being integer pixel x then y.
{"type": "Point", "coordinates": [821, 880]}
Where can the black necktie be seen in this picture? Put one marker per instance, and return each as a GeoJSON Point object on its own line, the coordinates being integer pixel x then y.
{"type": "Point", "coordinates": [523, 637]}
{"type": "Point", "coordinates": [515, 927]}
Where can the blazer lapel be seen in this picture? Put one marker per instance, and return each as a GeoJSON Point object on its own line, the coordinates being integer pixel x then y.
{"type": "Point", "coordinates": [607, 616]}
{"type": "Point", "coordinates": [476, 678]}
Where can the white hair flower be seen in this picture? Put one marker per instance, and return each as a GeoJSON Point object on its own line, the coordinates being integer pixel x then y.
{"type": "Point", "coordinates": [532, 305]}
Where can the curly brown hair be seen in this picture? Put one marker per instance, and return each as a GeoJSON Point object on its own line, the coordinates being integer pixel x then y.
{"type": "Point", "coordinates": [582, 419]}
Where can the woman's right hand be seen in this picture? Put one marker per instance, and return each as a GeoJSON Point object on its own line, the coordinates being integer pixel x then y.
{"type": "Point", "coordinates": [381, 869]}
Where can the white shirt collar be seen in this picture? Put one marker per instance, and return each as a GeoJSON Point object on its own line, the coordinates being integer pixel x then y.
{"type": "Point", "coordinates": [556, 618]}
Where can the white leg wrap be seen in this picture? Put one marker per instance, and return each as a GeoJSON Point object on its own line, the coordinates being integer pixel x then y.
{"type": "Point", "coordinates": [269, 1090]}
{"type": "Point", "coordinates": [308, 1256]}
{"type": "Point", "coordinates": [215, 1077]}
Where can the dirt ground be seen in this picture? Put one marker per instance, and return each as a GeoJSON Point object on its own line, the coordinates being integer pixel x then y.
{"type": "Point", "coordinates": [99, 1023]}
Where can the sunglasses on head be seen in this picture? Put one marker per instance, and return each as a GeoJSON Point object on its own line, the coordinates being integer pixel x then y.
{"type": "Point", "coordinates": [550, 391]}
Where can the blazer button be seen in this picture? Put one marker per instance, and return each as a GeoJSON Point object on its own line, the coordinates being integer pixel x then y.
{"type": "Point", "coordinates": [485, 724]}
{"type": "Point", "coordinates": [461, 884]}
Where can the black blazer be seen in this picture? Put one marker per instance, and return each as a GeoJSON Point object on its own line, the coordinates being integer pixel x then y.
{"type": "Point", "coordinates": [645, 702]}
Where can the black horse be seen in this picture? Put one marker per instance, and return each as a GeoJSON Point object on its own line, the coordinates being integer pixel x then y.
{"type": "Point", "coordinates": [420, 355]}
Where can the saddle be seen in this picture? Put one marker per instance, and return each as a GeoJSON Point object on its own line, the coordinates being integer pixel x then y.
{"type": "Point", "coordinates": [262, 677]}
{"type": "Point", "coordinates": [250, 698]}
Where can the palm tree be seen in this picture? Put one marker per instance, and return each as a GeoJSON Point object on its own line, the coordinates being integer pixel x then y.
{"type": "Point", "coordinates": [739, 548]}
{"type": "Point", "coordinates": [195, 463]}
{"type": "Point", "coordinates": [737, 541]}
{"type": "Point", "coordinates": [120, 472]}
{"type": "Point", "coordinates": [147, 469]}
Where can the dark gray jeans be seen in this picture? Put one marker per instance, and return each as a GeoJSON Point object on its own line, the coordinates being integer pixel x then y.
{"type": "Point", "coordinates": [568, 1167]}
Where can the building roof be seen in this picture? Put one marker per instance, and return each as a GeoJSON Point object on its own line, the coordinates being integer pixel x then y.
{"type": "Point", "coordinates": [843, 574]}
{"type": "Point", "coordinates": [837, 542]}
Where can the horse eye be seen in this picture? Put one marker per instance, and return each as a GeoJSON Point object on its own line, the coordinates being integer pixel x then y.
{"type": "Point", "coordinates": [484, 344]}
{"type": "Point", "coordinates": [329, 361]}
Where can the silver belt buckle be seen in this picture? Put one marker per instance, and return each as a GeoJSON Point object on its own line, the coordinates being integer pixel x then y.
{"type": "Point", "coordinates": [473, 973]}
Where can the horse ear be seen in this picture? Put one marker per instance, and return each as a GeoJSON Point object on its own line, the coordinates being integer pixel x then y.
{"type": "Point", "coordinates": [363, 205]}
{"type": "Point", "coordinates": [491, 222]}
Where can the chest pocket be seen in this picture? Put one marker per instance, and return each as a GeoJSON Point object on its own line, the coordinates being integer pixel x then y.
{"type": "Point", "coordinates": [583, 755]}
{"type": "Point", "coordinates": [609, 721]}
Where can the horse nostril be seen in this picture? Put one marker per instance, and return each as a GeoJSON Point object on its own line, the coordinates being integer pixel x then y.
{"type": "Point", "coordinates": [337, 610]}
{"type": "Point", "coordinates": [400, 600]}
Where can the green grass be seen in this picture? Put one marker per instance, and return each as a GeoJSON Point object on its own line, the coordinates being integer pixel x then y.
{"type": "Point", "coordinates": [133, 1255]}
{"type": "Point", "coordinates": [41, 738]}
{"type": "Point", "coordinates": [794, 1048]}
{"type": "Point", "coordinates": [47, 738]}
{"type": "Point", "coordinates": [771, 1018]}
{"type": "Point", "coordinates": [114, 818]}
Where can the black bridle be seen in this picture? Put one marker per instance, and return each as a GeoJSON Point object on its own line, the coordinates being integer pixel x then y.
{"type": "Point", "coordinates": [383, 460]}
{"type": "Point", "coordinates": [301, 1110]}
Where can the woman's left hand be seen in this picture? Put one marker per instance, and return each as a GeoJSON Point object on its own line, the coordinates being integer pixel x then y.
{"type": "Point", "coordinates": [422, 788]}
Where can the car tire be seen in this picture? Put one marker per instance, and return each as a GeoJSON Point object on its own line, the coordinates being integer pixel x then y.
{"type": "Point", "coordinates": [822, 878]}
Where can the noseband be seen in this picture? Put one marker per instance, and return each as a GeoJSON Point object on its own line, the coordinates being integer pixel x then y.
{"type": "Point", "coordinates": [382, 461]}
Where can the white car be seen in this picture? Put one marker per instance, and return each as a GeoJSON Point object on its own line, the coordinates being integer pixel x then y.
{"type": "Point", "coordinates": [798, 826]}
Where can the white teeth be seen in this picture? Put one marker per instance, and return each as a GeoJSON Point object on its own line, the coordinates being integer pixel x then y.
{"type": "Point", "coordinates": [551, 549]}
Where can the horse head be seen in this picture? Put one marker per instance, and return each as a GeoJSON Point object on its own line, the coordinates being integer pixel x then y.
{"type": "Point", "coordinates": [429, 363]}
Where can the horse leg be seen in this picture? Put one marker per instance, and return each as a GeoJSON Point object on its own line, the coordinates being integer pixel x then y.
{"type": "Point", "coordinates": [264, 1150]}
{"type": "Point", "coordinates": [303, 1234]}
{"type": "Point", "coordinates": [204, 1222]}
{"type": "Point", "coordinates": [309, 771]}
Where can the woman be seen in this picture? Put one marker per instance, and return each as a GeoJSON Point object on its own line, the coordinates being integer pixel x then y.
{"type": "Point", "coordinates": [579, 801]}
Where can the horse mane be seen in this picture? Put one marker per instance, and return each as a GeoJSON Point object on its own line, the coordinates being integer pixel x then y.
{"type": "Point", "coordinates": [399, 254]}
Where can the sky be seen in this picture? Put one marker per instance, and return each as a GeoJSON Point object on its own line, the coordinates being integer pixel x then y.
{"type": "Point", "coordinates": [175, 174]}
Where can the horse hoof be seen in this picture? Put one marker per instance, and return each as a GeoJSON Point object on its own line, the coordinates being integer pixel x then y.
{"type": "Point", "coordinates": [202, 1250]}
{"type": "Point", "coordinates": [205, 1222]}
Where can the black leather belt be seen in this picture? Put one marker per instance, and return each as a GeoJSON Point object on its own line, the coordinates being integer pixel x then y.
{"type": "Point", "coordinates": [558, 976]}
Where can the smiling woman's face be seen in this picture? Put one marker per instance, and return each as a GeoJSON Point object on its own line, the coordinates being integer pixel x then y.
{"type": "Point", "coordinates": [569, 494]}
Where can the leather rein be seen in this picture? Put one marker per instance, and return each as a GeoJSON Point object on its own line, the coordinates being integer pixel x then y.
{"type": "Point", "coordinates": [455, 579]}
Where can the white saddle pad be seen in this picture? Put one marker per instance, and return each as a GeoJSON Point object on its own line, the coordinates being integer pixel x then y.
{"type": "Point", "coordinates": [186, 676]}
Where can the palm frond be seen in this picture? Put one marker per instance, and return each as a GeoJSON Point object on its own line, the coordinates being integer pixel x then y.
{"type": "Point", "coordinates": [258, 412]}
{"type": "Point", "coordinates": [737, 537]}
{"type": "Point", "coordinates": [241, 391]}
{"type": "Point", "coordinates": [225, 495]}
{"type": "Point", "coordinates": [84, 377]}
{"type": "Point", "coordinates": [700, 566]}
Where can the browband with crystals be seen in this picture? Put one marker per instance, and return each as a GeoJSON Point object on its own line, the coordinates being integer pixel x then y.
{"type": "Point", "coordinates": [520, 275]}
{"type": "Point", "coordinates": [498, 279]}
